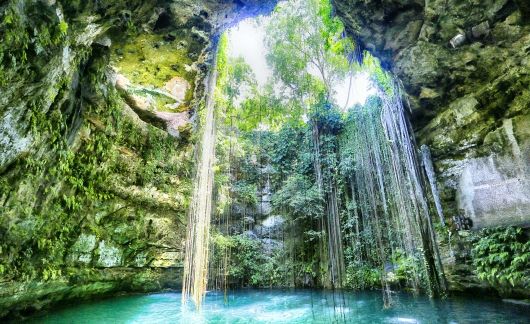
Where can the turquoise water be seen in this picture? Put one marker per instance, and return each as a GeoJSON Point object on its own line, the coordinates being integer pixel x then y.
{"type": "Point", "coordinates": [289, 306]}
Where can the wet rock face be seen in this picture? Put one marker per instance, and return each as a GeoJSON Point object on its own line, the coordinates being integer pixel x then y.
{"type": "Point", "coordinates": [81, 251]}
{"type": "Point", "coordinates": [465, 68]}
{"type": "Point", "coordinates": [109, 255]}
{"type": "Point", "coordinates": [492, 194]}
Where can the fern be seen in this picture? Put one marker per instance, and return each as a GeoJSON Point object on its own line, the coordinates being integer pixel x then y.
{"type": "Point", "coordinates": [502, 257]}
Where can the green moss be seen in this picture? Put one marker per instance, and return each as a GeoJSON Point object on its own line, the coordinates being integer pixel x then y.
{"type": "Point", "coordinates": [60, 188]}
{"type": "Point", "coordinates": [148, 60]}
{"type": "Point", "coordinates": [31, 34]}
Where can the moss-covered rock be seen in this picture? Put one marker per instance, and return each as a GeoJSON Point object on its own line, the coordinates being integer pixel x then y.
{"type": "Point", "coordinates": [81, 251]}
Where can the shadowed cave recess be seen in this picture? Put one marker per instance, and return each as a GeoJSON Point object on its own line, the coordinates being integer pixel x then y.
{"type": "Point", "coordinates": [423, 186]}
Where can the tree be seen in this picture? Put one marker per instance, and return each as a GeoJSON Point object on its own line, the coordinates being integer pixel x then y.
{"type": "Point", "coordinates": [307, 53]}
{"type": "Point", "coordinates": [307, 48]}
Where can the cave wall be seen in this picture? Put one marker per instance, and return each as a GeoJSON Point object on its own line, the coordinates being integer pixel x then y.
{"type": "Point", "coordinates": [98, 102]}
{"type": "Point", "coordinates": [469, 103]}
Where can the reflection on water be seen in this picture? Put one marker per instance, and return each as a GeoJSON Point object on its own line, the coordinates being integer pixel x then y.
{"type": "Point", "coordinates": [289, 306]}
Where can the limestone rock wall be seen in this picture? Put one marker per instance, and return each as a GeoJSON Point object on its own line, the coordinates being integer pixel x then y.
{"type": "Point", "coordinates": [469, 98]}
{"type": "Point", "coordinates": [97, 106]}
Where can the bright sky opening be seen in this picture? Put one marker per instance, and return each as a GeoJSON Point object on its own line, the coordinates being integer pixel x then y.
{"type": "Point", "coordinates": [247, 40]}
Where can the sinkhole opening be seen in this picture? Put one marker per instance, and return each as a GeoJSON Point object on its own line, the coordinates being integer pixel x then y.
{"type": "Point", "coordinates": [308, 174]}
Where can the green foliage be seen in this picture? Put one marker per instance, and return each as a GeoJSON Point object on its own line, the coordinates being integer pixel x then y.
{"type": "Point", "coordinates": [381, 78]}
{"type": "Point", "coordinates": [362, 276]}
{"type": "Point", "coordinates": [30, 35]}
{"type": "Point", "coordinates": [243, 104]}
{"type": "Point", "coordinates": [404, 266]}
{"type": "Point", "coordinates": [265, 109]}
{"type": "Point", "coordinates": [300, 197]}
{"type": "Point", "coordinates": [288, 150]}
{"type": "Point", "coordinates": [248, 265]}
{"type": "Point", "coordinates": [245, 193]}
{"type": "Point", "coordinates": [367, 113]}
{"type": "Point", "coordinates": [328, 119]}
{"type": "Point", "coordinates": [302, 35]}
{"type": "Point", "coordinates": [63, 28]}
{"type": "Point", "coordinates": [222, 56]}
{"type": "Point", "coordinates": [278, 127]}
{"type": "Point", "coordinates": [502, 257]}
{"type": "Point", "coordinates": [247, 259]}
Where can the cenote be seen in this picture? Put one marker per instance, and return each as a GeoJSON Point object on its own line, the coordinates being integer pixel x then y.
{"type": "Point", "coordinates": [246, 161]}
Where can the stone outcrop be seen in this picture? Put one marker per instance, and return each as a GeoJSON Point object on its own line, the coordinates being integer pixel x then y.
{"type": "Point", "coordinates": [469, 99]}
{"type": "Point", "coordinates": [149, 104]}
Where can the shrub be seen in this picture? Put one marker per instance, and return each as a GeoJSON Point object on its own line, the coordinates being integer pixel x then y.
{"type": "Point", "coordinates": [502, 256]}
{"type": "Point", "coordinates": [363, 276]}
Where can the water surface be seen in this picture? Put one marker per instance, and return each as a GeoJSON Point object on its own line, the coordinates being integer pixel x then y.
{"type": "Point", "coordinates": [289, 306]}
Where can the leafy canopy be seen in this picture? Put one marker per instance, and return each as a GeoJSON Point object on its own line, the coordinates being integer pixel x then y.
{"type": "Point", "coordinates": [306, 49]}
